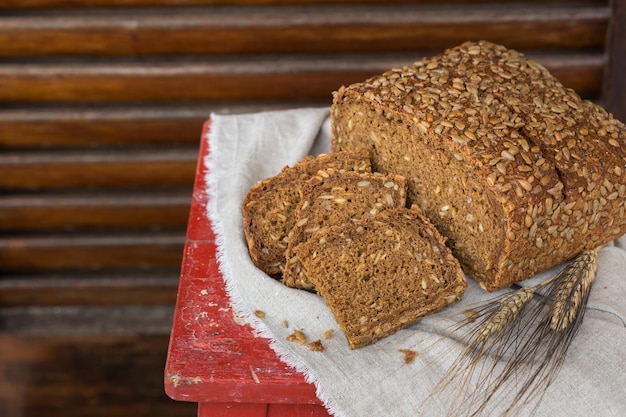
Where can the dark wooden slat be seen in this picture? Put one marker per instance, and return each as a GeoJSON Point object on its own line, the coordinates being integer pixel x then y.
{"type": "Point", "coordinates": [250, 78]}
{"type": "Point", "coordinates": [320, 29]}
{"type": "Point", "coordinates": [98, 375]}
{"type": "Point", "coordinates": [582, 73]}
{"type": "Point", "coordinates": [94, 127]}
{"type": "Point", "coordinates": [121, 126]}
{"type": "Point", "coordinates": [302, 78]}
{"type": "Point", "coordinates": [88, 288]}
{"type": "Point", "coordinates": [614, 89]}
{"type": "Point", "coordinates": [95, 211]}
{"type": "Point", "coordinates": [117, 169]}
{"type": "Point", "coordinates": [87, 320]}
{"type": "Point", "coordinates": [35, 4]}
{"type": "Point", "coordinates": [94, 251]}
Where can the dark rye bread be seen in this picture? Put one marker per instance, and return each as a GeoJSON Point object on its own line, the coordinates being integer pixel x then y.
{"type": "Point", "coordinates": [270, 205]}
{"type": "Point", "coordinates": [518, 172]}
{"type": "Point", "coordinates": [382, 273]}
{"type": "Point", "coordinates": [332, 198]}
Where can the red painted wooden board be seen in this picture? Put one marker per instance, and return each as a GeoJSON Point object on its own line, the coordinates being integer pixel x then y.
{"type": "Point", "coordinates": [214, 359]}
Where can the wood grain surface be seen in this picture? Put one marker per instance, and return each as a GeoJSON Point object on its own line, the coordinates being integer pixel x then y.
{"type": "Point", "coordinates": [95, 374]}
{"type": "Point", "coordinates": [43, 4]}
{"type": "Point", "coordinates": [299, 29]}
{"type": "Point", "coordinates": [264, 79]}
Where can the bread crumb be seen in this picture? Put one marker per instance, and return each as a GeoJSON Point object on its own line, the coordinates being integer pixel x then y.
{"type": "Point", "coordinates": [298, 336]}
{"type": "Point", "coordinates": [328, 334]}
{"type": "Point", "coordinates": [285, 324]}
{"type": "Point", "coordinates": [260, 314]}
{"type": "Point", "coordinates": [316, 346]}
{"type": "Point", "coordinates": [409, 355]}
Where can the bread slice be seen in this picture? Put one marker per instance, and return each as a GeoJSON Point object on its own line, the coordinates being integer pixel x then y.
{"type": "Point", "coordinates": [517, 171]}
{"type": "Point", "coordinates": [332, 198]}
{"type": "Point", "coordinates": [269, 206]}
{"type": "Point", "coordinates": [382, 273]}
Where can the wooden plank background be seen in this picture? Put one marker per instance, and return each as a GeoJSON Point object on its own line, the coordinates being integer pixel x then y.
{"type": "Point", "coordinates": [101, 107]}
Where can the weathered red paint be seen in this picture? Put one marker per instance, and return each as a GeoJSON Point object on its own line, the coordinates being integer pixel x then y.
{"type": "Point", "coordinates": [214, 359]}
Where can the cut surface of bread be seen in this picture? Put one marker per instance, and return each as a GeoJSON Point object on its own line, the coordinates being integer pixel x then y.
{"type": "Point", "coordinates": [332, 198]}
{"type": "Point", "coordinates": [517, 171]}
{"type": "Point", "coordinates": [269, 206]}
{"type": "Point", "coordinates": [382, 273]}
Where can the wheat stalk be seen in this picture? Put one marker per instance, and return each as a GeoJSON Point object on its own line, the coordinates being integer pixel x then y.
{"type": "Point", "coordinates": [515, 344]}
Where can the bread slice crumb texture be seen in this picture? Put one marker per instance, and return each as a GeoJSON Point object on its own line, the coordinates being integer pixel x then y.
{"type": "Point", "coordinates": [270, 205]}
{"type": "Point", "coordinates": [332, 198]}
{"type": "Point", "coordinates": [382, 273]}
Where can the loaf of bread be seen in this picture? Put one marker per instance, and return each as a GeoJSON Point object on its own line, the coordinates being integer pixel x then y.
{"type": "Point", "coordinates": [333, 197]}
{"type": "Point", "coordinates": [381, 273]}
{"type": "Point", "coordinates": [517, 171]}
{"type": "Point", "coordinates": [269, 207]}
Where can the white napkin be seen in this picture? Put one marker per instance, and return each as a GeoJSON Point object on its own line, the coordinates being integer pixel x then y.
{"type": "Point", "coordinates": [375, 381]}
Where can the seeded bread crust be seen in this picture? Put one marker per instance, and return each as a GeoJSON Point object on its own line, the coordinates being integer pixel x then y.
{"type": "Point", "coordinates": [517, 171]}
{"type": "Point", "coordinates": [269, 207]}
{"type": "Point", "coordinates": [382, 273]}
{"type": "Point", "coordinates": [332, 198]}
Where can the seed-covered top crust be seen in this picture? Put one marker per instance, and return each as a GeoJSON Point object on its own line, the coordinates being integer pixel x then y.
{"type": "Point", "coordinates": [332, 198]}
{"type": "Point", "coordinates": [270, 205]}
{"type": "Point", "coordinates": [554, 162]}
{"type": "Point", "coordinates": [382, 273]}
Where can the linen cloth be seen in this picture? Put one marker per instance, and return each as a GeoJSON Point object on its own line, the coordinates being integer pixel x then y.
{"type": "Point", "coordinates": [375, 381]}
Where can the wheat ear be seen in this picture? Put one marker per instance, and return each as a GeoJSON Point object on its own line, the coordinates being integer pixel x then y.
{"type": "Point", "coordinates": [573, 289]}
{"type": "Point", "coordinates": [516, 343]}
{"type": "Point", "coordinates": [509, 308]}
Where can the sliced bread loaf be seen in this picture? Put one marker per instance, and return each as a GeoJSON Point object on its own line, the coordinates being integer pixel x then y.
{"type": "Point", "coordinates": [517, 171]}
{"type": "Point", "coordinates": [332, 198]}
{"type": "Point", "coordinates": [382, 273]}
{"type": "Point", "coordinates": [269, 207]}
